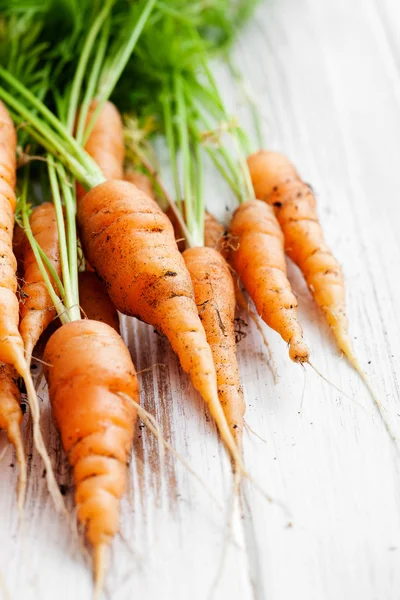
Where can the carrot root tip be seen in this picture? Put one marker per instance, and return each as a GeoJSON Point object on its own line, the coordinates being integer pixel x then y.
{"type": "Point", "coordinates": [14, 435]}
{"type": "Point", "coordinates": [99, 569]}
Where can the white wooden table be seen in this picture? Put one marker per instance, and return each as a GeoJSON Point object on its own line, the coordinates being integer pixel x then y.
{"type": "Point", "coordinates": [326, 75]}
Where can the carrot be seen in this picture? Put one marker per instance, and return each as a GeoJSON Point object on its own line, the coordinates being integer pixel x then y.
{"type": "Point", "coordinates": [105, 143]}
{"type": "Point", "coordinates": [214, 232]}
{"type": "Point", "coordinates": [12, 346]}
{"type": "Point", "coordinates": [146, 277]}
{"type": "Point", "coordinates": [10, 421]}
{"type": "Point", "coordinates": [277, 182]}
{"type": "Point", "coordinates": [215, 298]}
{"type": "Point", "coordinates": [91, 377]}
{"type": "Point", "coordinates": [36, 306]}
{"type": "Point", "coordinates": [19, 240]}
{"type": "Point", "coordinates": [259, 260]}
{"type": "Point", "coordinates": [95, 302]}
{"type": "Point", "coordinates": [142, 181]}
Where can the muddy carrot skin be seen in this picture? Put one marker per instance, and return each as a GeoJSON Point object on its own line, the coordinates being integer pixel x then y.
{"type": "Point", "coordinates": [95, 301]}
{"type": "Point", "coordinates": [214, 292]}
{"type": "Point", "coordinates": [258, 258]}
{"type": "Point", "coordinates": [36, 307]}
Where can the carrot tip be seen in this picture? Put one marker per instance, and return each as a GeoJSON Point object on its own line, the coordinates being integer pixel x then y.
{"type": "Point", "coordinates": [14, 435]}
{"type": "Point", "coordinates": [299, 352]}
{"type": "Point", "coordinates": [99, 569]}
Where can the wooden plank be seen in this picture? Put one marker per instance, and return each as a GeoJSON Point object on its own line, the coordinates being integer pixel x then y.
{"type": "Point", "coordinates": [326, 79]}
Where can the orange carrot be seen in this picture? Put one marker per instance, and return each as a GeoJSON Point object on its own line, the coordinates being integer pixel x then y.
{"type": "Point", "coordinates": [130, 242]}
{"type": "Point", "coordinates": [142, 181]}
{"type": "Point", "coordinates": [12, 346]}
{"type": "Point", "coordinates": [95, 302]}
{"type": "Point", "coordinates": [258, 258]}
{"type": "Point", "coordinates": [10, 421]}
{"type": "Point", "coordinates": [277, 182]}
{"type": "Point", "coordinates": [92, 382]}
{"type": "Point", "coordinates": [36, 307]}
{"type": "Point", "coordinates": [214, 233]}
{"type": "Point", "coordinates": [214, 293]}
{"type": "Point", "coordinates": [105, 143]}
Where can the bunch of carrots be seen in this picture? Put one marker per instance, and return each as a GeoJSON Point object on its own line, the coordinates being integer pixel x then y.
{"type": "Point", "coordinates": [108, 237]}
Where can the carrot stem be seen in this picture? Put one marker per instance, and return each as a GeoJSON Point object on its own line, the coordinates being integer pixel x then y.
{"type": "Point", "coordinates": [112, 72]}
{"type": "Point", "coordinates": [91, 86]}
{"type": "Point", "coordinates": [82, 65]}
{"type": "Point", "coordinates": [71, 302]}
{"type": "Point", "coordinates": [169, 134]}
{"type": "Point", "coordinates": [183, 136]}
{"type": "Point", "coordinates": [72, 238]}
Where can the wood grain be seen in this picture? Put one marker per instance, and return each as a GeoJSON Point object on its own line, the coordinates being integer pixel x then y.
{"type": "Point", "coordinates": [326, 77]}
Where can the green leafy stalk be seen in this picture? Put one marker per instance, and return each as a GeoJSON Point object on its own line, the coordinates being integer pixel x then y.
{"type": "Point", "coordinates": [66, 149]}
{"type": "Point", "coordinates": [200, 208]}
{"type": "Point", "coordinates": [72, 238]}
{"type": "Point", "coordinates": [170, 137]}
{"type": "Point", "coordinates": [71, 302]}
{"type": "Point", "coordinates": [82, 64]}
{"type": "Point", "coordinates": [183, 136]}
{"type": "Point", "coordinates": [112, 71]}
{"type": "Point", "coordinates": [91, 86]}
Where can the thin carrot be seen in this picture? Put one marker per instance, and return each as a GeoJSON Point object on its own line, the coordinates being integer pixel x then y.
{"type": "Point", "coordinates": [259, 260]}
{"type": "Point", "coordinates": [36, 306]}
{"type": "Point", "coordinates": [12, 346]}
{"type": "Point", "coordinates": [90, 369]}
{"type": "Point", "coordinates": [215, 298]}
{"type": "Point", "coordinates": [10, 421]}
{"type": "Point", "coordinates": [146, 277]}
{"type": "Point", "coordinates": [95, 302]}
{"type": "Point", "coordinates": [277, 182]}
